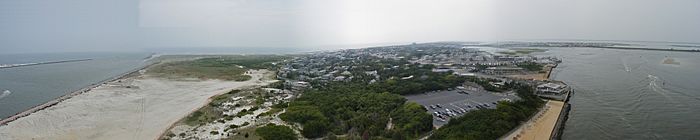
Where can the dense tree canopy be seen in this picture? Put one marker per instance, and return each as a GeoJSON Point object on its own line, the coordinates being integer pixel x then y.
{"type": "Point", "coordinates": [342, 108]}
{"type": "Point", "coordinates": [410, 121]}
{"type": "Point", "coordinates": [276, 132]}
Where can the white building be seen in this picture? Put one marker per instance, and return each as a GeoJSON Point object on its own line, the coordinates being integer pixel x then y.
{"type": "Point", "coordinates": [551, 88]}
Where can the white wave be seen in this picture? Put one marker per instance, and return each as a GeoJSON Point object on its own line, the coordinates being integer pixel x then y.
{"type": "Point", "coordinates": [627, 67]}
{"type": "Point", "coordinates": [5, 94]}
{"type": "Point", "coordinates": [653, 85]}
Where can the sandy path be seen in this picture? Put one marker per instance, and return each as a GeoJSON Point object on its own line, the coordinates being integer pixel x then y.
{"type": "Point", "coordinates": [113, 111]}
{"type": "Point", "coordinates": [539, 127]}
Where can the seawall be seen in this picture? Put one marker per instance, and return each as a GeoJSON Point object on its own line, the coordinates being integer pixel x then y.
{"type": "Point", "coordinates": [563, 116]}
{"type": "Point", "coordinates": [41, 63]}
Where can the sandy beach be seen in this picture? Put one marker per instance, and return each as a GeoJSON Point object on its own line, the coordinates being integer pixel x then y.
{"type": "Point", "coordinates": [137, 107]}
{"type": "Point", "coordinates": [535, 76]}
{"type": "Point", "coordinates": [541, 125]}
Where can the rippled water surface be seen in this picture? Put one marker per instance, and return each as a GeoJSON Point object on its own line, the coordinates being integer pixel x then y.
{"type": "Point", "coordinates": [630, 94]}
{"type": "Point", "coordinates": [33, 85]}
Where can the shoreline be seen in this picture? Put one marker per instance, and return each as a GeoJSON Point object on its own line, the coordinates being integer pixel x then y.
{"type": "Point", "coordinates": [558, 130]}
{"type": "Point", "coordinates": [137, 106]}
{"type": "Point", "coordinates": [533, 127]}
{"type": "Point", "coordinates": [69, 95]}
{"type": "Point", "coordinates": [634, 48]}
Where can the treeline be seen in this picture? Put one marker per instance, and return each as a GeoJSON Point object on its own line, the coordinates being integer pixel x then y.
{"type": "Point", "coordinates": [486, 84]}
{"type": "Point", "coordinates": [492, 123]}
{"type": "Point", "coordinates": [405, 78]}
{"type": "Point", "coordinates": [353, 109]}
{"type": "Point", "coordinates": [421, 80]}
{"type": "Point", "coordinates": [530, 66]}
{"type": "Point", "coordinates": [276, 132]}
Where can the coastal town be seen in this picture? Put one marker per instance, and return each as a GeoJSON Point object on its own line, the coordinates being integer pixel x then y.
{"type": "Point", "coordinates": [412, 91]}
{"type": "Point", "coordinates": [487, 79]}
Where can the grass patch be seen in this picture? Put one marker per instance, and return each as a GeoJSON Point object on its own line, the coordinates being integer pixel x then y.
{"type": "Point", "coordinates": [518, 51]}
{"type": "Point", "coordinates": [247, 111]}
{"type": "Point", "coordinates": [271, 111]}
{"type": "Point", "coordinates": [230, 67]}
{"type": "Point", "coordinates": [508, 53]}
{"type": "Point", "coordinates": [244, 134]}
{"type": "Point", "coordinates": [219, 99]}
{"type": "Point", "coordinates": [210, 113]}
{"type": "Point", "coordinates": [204, 115]}
{"type": "Point", "coordinates": [530, 66]}
{"type": "Point", "coordinates": [202, 69]}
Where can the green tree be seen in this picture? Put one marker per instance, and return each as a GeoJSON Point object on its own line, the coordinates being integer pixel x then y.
{"type": "Point", "coordinates": [275, 132]}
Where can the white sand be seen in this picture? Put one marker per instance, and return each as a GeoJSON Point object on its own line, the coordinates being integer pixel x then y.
{"type": "Point", "coordinates": [115, 112]}
{"type": "Point", "coordinates": [539, 127]}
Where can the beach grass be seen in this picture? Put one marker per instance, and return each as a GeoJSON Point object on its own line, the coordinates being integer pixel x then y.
{"type": "Point", "coordinates": [522, 51]}
{"type": "Point", "coordinates": [225, 67]}
{"type": "Point", "coordinates": [242, 134]}
{"type": "Point", "coordinates": [203, 115]}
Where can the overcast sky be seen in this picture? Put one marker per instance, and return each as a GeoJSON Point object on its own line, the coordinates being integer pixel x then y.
{"type": "Point", "coordinates": [134, 25]}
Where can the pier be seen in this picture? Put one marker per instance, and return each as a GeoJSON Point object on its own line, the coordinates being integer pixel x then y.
{"type": "Point", "coordinates": [3, 66]}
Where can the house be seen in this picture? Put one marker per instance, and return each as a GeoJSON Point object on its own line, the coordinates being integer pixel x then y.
{"type": "Point", "coordinates": [339, 78]}
{"type": "Point", "coordinates": [299, 85]}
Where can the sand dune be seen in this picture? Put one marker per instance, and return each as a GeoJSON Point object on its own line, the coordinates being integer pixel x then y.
{"type": "Point", "coordinates": [139, 107]}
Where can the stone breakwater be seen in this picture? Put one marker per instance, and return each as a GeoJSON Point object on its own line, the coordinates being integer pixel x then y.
{"type": "Point", "coordinates": [59, 99]}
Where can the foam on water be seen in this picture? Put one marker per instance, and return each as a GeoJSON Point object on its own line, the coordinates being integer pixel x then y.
{"type": "Point", "coordinates": [5, 94]}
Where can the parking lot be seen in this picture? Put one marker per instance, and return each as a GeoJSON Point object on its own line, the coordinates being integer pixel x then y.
{"type": "Point", "coordinates": [447, 104]}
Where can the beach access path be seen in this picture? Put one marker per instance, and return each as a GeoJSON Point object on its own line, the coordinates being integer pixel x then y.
{"type": "Point", "coordinates": [135, 107]}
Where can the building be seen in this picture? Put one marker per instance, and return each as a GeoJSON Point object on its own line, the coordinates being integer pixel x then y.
{"type": "Point", "coordinates": [551, 89]}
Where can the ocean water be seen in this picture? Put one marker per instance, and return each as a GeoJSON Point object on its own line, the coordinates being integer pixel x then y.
{"type": "Point", "coordinates": [630, 94]}
{"type": "Point", "coordinates": [34, 85]}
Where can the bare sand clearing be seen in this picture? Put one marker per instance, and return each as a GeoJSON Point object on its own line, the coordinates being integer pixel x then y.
{"type": "Point", "coordinates": [534, 76]}
{"type": "Point", "coordinates": [136, 108]}
{"type": "Point", "coordinates": [541, 125]}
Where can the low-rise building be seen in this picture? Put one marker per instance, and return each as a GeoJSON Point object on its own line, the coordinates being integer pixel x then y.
{"type": "Point", "coordinates": [551, 89]}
